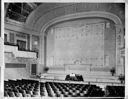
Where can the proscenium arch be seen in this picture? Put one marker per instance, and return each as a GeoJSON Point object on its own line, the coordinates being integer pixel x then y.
{"type": "Point", "coordinates": [91, 14]}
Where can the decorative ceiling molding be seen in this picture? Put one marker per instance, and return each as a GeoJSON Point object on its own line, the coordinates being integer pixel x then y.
{"type": "Point", "coordinates": [40, 17]}
{"type": "Point", "coordinates": [91, 14]}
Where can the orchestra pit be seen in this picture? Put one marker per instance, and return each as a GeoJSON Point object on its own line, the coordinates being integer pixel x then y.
{"type": "Point", "coordinates": [70, 50]}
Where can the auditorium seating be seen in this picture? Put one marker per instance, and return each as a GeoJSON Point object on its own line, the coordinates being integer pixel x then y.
{"type": "Point", "coordinates": [114, 91]}
{"type": "Point", "coordinates": [33, 88]}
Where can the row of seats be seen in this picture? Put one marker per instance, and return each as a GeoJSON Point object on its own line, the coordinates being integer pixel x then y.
{"type": "Point", "coordinates": [21, 88]}
{"type": "Point", "coordinates": [115, 91]}
{"type": "Point", "coordinates": [32, 88]}
{"type": "Point", "coordinates": [72, 90]}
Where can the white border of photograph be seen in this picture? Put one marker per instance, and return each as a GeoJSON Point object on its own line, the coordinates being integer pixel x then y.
{"type": "Point", "coordinates": [72, 1]}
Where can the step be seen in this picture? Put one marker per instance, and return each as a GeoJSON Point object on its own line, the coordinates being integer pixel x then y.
{"type": "Point", "coordinates": [89, 77]}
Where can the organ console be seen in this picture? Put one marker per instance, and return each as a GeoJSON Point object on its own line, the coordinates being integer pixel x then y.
{"type": "Point", "coordinates": [74, 77]}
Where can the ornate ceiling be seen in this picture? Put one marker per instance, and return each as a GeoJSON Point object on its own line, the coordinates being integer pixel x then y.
{"type": "Point", "coordinates": [36, 15]}
{"type": "Point", "coordinates": [20, 11]}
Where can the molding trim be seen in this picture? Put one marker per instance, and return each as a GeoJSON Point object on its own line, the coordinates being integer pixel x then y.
{"type": "Point", "coordinates": [91, 14]}
{"type": "Point", "coordinates": [19, 28]}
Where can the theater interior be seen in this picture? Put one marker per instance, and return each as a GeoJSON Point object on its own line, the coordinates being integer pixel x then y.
{"type": "Point", "coordinates": [70, 50]}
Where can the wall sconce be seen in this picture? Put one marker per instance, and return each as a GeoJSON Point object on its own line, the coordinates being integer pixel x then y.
{"type": "Point", "coordinates": [35, 43]}
{"type": "Point", "coordinates": [107, 25]}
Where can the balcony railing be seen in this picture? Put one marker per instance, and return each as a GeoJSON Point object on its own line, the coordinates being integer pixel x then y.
{"type": "Point", "coordinates": [11, 44]}
{"type": "Point", "coordinates": [10, 47]}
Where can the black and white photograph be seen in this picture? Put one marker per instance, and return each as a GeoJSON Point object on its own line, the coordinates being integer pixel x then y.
{"type": "Point", "coordinates": [63, 50]}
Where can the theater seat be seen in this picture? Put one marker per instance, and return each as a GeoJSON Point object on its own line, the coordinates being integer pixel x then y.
{"type": "Point", "coordinates": [6, 94]}
{"type": "Point", "coordinates": [18, 94]}
{"type": "Point", "coordinates": [31, 88]}
{"type": "Point", "coordinates": [11, 94]}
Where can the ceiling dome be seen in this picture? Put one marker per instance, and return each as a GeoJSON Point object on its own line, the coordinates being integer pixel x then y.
{"type": "Point", "coordinates": [20, 11]}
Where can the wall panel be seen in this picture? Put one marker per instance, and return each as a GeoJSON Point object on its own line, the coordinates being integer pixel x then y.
{"type": "Point", "coordinates": [82, 42]}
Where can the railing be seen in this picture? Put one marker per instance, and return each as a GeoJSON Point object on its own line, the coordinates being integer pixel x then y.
{"type": "Point", "coordinates": [13, 48]}
{"type": "Point", "coordinates": [12, 44]}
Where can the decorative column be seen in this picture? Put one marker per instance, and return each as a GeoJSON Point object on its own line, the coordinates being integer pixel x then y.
{"type": "Point", "coordinates": [119, 46]}
{"type": "Point", "coordinates": [30, 42]}
{"type": "Point", "coordinates": [122, 61]}
{"type": "Point", "coordinates": [41, 54]}
{"type": "Point", "coordinates": [45, 50]}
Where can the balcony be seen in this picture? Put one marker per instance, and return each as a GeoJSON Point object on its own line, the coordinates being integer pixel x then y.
{"type": "Point", "coordinates": [13, 48]}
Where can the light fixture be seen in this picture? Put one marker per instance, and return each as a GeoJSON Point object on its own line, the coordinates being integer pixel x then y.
{"type": "Point", "coordinates": [107, 25]}
{"type": "Point", "coordinates": [35, 43]}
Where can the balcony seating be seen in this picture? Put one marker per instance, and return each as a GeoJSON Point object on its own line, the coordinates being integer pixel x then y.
{"type": "Point", "coordinates": [32, 88]}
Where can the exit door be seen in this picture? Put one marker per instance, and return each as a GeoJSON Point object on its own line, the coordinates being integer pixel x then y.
{"type": "Point", "coordinates": [33, 69]}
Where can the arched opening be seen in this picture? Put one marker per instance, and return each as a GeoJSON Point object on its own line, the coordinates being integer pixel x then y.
{"type": "Point", "coordinates": [110, 21]}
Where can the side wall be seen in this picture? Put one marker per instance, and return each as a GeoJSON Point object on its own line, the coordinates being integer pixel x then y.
{"type": "Point", "coordinates": [17, 68]}
{"type": "Point", "coordinates": [14, 68]}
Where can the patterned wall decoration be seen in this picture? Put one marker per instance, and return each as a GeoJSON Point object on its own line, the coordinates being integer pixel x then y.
{"type": "Point", "coordinates": [83, 43]}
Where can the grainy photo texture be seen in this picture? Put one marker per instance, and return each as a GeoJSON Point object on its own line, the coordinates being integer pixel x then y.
{"type": "Point", "coordinates": [64, 50]}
